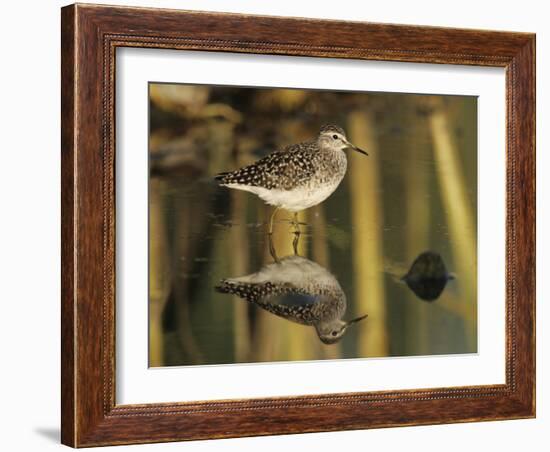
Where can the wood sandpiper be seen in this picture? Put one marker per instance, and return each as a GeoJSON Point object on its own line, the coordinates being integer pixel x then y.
{"type": "Point", "coordinates": [298, 290]}
{"type": "Point", "coordinates": [298, 176]}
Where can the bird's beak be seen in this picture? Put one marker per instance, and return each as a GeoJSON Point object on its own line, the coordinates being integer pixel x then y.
{"type": "Point", "coordinates": [355, 148]}
{"type": "Point", "coordinates": [358, 319]}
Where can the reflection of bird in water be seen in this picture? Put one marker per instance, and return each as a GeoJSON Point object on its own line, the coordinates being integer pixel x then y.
{"type": "Point", "coordinates": [299, 290]}
{"type": "Point", "coordinates": [428, 276]}
{"type": "Point", "coordinates": [298, 176]}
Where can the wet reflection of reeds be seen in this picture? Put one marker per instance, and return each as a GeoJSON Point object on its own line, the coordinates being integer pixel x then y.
{"type": "Point", "coordinates": [418, 225]}
{"type": "Point", "coordinates": [159, 272]}
{"type": "Point", "coordinates": [458, 210]}
{"type": "Point", "coordinates": [367, 223]}
{"type": "Point", "coordinates": [239, 240]}
{"type": "Point", "coordinates": [321, 254]}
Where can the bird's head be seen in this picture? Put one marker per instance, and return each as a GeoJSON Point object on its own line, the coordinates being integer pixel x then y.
{"type": "Point", "coordinates": [334, 137]}
{"type": "Point", "coordinates": [332, 332]}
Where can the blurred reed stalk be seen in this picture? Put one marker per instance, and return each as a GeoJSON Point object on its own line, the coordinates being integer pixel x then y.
{"type": "Point", "coordinates": [459, 213]}
{"type": "Point", "coordinates": [264, 339]}
{"type": "Point", "coordinates": [367, 223]}
{"type": "Point", "coordinates": [267, 337]}
{"type": "Point", "coordinates": [320, 255]}
{"type": "Point", "coordinates": [159, 271]}
{"type": "Point", "coordinates": [319, 238]}
{"type": "Point", "coordinates": [418, 214]}
{"type": "Point", "coordinates": [187, 220]}
{"type": "Point", "coordinates": [304, 343]}
{"type": "Point", "coordinates": [238, 247]}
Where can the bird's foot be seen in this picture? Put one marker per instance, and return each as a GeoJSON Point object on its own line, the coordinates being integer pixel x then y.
{"type": "Point", "coordinates": [295, 225]}
{"type": "Point", "coordinates": [293, 222]}
{"type": "Point", "coordinates": [272, 248]}
{"type": "Point", "coordinates": [295, 242]}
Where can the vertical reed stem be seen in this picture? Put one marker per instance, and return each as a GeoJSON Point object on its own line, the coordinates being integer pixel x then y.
{"type": "Point", "coordinates": [459, 215]}
{"type": "Point", "coordinates": [159, 273]}
{"type": "Point", "coordinates": [367, 223]}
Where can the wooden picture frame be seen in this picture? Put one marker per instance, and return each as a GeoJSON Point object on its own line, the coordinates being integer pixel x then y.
{"type": "Point", "coordinates": [90, 36]}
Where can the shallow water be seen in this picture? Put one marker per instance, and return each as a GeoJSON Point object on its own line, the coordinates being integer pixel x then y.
{"type": "Point", "coordinates": [395, 204]}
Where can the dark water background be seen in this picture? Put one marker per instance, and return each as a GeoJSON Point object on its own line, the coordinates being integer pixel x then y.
{"type": "Point", "coordinates": [416, 191]}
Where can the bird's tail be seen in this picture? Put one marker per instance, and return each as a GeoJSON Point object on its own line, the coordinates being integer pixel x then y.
{"type": "Point", "coordinates": [242, 176]}
{"type": "Point", "coordinates": [246, 291]}
{"type": "Point", "coordinates": [221, 178]}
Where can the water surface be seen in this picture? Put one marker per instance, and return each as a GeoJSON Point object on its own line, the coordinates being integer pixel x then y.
{"type": "Point", "coordinates": [416, 192]}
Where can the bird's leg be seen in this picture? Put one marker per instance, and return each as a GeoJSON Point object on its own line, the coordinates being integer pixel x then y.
{"type": "Point", "coordinates": [296, 225]}
{"type": "Point", "coordinates": [272, 248]}
{"type": "Point", "coordinates": [271, 221]}
{"type": "Point", "coordinates": [295, 242]}
{"type": "Point", "coordinates": [270, 236]}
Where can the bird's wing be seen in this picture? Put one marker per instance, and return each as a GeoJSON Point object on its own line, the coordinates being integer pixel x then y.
{"type": "Point", "coordinates": [283, 300]}
{"type": "Point", "coordinates": [282, 169]}
{"type": "Point", "coordinates": [292, 299]}
{"type": "Point", "coordinates": [292, 305]}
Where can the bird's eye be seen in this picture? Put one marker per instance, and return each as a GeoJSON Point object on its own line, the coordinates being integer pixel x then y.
{"type": "Point", "coordinates": [335, 137]}
{"type": "Point", "coordinates": [334, 333]}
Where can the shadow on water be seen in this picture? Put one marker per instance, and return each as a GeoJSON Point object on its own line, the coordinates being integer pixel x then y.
{"type": "Point", "coordinates": [428, 276]}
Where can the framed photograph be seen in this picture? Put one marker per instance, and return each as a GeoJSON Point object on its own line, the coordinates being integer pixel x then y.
{"type": "Point", "coordinates": [282, 225]}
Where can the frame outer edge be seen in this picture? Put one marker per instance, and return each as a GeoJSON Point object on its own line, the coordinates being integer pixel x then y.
{"type": "Point", "coordinates": [68, 242]}
{"type": "Point", "coordinates": [525, 62]}
{"type": "Point", "coordinates": [86, 418]}
{"type": "Point", "coordinates": [534, 226]}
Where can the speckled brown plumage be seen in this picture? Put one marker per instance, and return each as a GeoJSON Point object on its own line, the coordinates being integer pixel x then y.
{"type": "Point", "coordinates": [302, 305]}
{"type": "Point", "coordinates": [298, 290]}
{"type": "Point", "coordinates": [298, 176]}
{"type": "Point", "coordinates": [293, 166]}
